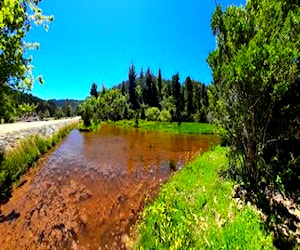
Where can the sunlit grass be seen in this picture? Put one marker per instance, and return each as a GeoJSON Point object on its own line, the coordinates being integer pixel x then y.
{"type": "Point", "coordinates": [195, 210]}
{"type": "Point", "coordinates": [174, 127]}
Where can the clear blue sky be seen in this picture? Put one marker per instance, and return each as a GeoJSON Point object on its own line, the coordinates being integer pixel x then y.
{"type": "Point", "coordinates": [96, 40]}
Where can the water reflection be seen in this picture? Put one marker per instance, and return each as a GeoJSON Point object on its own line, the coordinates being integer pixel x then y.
{"type": "Point", "coordinates": [90, 189]}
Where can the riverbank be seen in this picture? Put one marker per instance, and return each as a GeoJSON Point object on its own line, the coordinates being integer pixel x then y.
{"type": "Point", "coordinates": [11, 133]}
{"type": "Point", "coordinates": [195, 209]}
{"type": "Point", "coordinates": [170, 127]}
{"type": "Point", "coordinates": [23, 143]}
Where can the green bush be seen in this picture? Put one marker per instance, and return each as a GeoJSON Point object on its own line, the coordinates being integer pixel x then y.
{"type": "Point", "coordinates": [165, 116]}
{"type": "Point", "coordinates": [152, 114]}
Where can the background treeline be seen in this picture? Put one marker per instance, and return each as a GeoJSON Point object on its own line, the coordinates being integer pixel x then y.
{"type": "Point", "coordinates": [148, 96]}
{"type": "Point", "coordinates": [18, 105]}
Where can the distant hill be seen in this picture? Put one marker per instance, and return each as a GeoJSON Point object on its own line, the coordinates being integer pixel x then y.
{"type": "Point", "coordinates": [64, 102]}
{"type": "Point", "coordinates": [43, 105]}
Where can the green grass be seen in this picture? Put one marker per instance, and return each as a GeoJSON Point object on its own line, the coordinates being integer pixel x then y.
{"type": "Point", "coordinates": [94, 127]}
{"type": "Point", "coordinates": [16, 162]}
{"type": "Point", "coordinates": [185, 127]}
{"type": "Point", "coordinates": [195, 210]}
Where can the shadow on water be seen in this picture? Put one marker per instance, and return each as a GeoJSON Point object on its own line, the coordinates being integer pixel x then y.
{"type": "Point", "coordinates": [90, 190]}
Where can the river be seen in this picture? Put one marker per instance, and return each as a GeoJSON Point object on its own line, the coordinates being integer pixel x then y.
{"type": "Point", "coordinates": [88, 191]}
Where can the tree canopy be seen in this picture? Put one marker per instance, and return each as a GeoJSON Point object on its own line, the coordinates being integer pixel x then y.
{"type": "Point", "coordinates": [16, 19]}
{"type": "Point", "coordinates": [255, 66]}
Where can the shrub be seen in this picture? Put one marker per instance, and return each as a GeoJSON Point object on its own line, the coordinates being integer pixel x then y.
{"type": "Point", "coordinates": [165, 116]}
{"type": "Point", "coordinates": [152, 114]}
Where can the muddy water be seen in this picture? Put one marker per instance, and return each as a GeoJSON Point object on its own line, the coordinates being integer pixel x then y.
{"type": "Point", "coordinates": [88, 191]}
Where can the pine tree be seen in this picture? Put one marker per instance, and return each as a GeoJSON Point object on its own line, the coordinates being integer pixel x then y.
{"type": "Point", "coordinates": [159, 85]}
{"type": "Point", "coordinates": [131, 78]}
{"type": "Point", "coordinates": [189, 97]}
{"type": "Point", "coordinates": [94, 91]}
{"type": "Point", "coordinates": [177, 95]}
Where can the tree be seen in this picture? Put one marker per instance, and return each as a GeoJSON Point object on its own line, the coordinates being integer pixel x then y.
{"type": "Point", "coordinates": [94, 91]}
{"type": "Point", "coordinates": [254, 65]}
{"type": "Point", "coordinates": [141, 74]}
{"type": "Point", "coordinates": [189, 97]}
{"type": "Point", "coordinates": [87, 111]}
{"type": "Point", "coordinates": [59, 113]}
{"type": "Point", "coordinates": [15, 66]}
{"type": "Point", "coordinates": [131, 78]}
{"type": "Point", "coordinates": [15, 23]}
{"type": "Point", "coordinates": [7, 108]}
{"type": "Point", "coordinates": [147, 90]}
{"type": "Point", "coordinates": [168, 103]}
{"type": "Point", "coordinates": [177, 96]}
{"type": "Point", "coordinates": [26, 109]}
{"type": "Point", "coordinates": [159, 84]}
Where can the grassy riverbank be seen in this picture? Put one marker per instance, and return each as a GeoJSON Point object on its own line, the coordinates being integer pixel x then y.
{"type": "Point", "coordinates": [184, 127]}
{"type": "Point", "coordinates": [92, 128]}
{"type": "Point", "coordinates": [16, 162]}
{"type": "Point", "coordinates": [195, 209]}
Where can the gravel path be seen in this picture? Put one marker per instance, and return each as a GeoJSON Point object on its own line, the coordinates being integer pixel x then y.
{"type": "Point", "coordinates": [18, 126]}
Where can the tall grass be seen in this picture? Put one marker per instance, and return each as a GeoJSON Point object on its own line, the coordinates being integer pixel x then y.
{"type": "Point", "coordinates": [195, 210]}
{"type": "Point", "coordinates": [16, 162]}
{"type": "Point", "coordinates": [174, 127]}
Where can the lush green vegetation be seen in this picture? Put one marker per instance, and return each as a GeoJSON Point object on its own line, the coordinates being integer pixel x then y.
{"type": "Point", "coordinates": [148, 97]}
{"type": "Point", "coordinates": [255, 94]}
{"type": "Point", "coordinates": [92, 127]}
{"type": "Point", "coordinates": [16, 105]}
{"type": "Point", "coordinates": [174, 127]}
{"type": "Point", "coordinates": [195, 210]}
{"type": "Point", "coordinates": [16, 162]}
{"type": "Point", "coordinates": [254, 100]}
{"type": "Point", "coordinates": [16, 19]}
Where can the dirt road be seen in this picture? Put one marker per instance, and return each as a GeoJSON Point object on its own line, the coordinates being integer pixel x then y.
{"type": "Point", "coordinates": [19, 126]}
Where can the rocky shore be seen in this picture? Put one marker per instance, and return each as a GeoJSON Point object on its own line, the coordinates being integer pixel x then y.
{"type": "Point", "coordinates": [10, 134]}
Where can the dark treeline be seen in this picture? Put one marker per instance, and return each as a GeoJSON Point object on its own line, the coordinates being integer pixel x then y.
{"type": "Point", "coordinates": [148, 96]}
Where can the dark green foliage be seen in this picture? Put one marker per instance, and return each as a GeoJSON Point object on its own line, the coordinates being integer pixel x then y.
{"type": "Point", "coordinates": [159, 85]}
{"type": "Point", "coordinates": [255, 70]}
{"type": "Point", "coordinates": [94, 91]}
{"type": "Point", "coordinates": [132, 85]}
{"type": "Point", "coordinates": [177, 94]}
{"type": "Point", "coordinates": [189, 97]}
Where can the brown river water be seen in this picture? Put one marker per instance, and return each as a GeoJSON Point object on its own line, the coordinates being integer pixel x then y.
{"type": "Point", "coordinates": [88, 191]}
